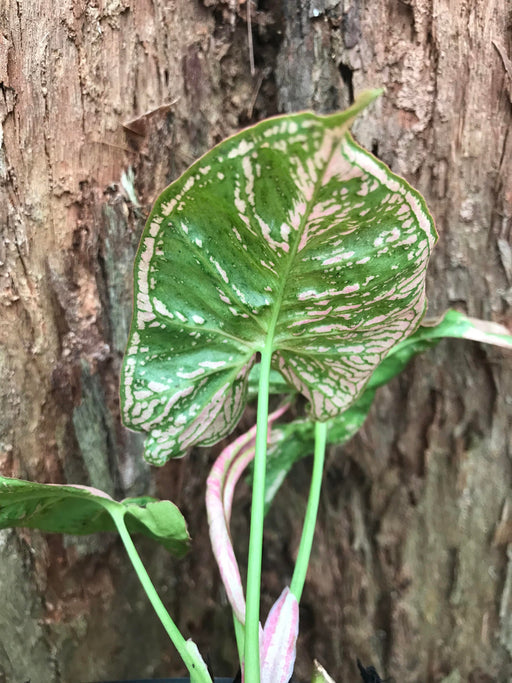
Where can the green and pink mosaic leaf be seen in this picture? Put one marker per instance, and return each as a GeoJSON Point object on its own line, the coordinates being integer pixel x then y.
{"type": "Point", "coordinates": [288, 234]}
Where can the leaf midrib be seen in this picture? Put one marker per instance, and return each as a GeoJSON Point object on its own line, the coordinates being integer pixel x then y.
{"type": "Point", "coordinates": [270, 337]}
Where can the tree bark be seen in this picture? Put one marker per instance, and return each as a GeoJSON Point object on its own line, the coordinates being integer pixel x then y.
{"type": "Point", "coordinates": [102, 104]}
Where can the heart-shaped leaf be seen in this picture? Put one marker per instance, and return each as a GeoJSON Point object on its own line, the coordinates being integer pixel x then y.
{"type": "Point", "coordinates": [292, 441]}
{"type": "Point", "coordinates": [286, 236]}
{"type": "Point", "coordinates": [84, 510]}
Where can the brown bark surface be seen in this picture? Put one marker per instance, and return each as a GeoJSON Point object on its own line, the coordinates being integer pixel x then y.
{"type": "Point", "coordinates": [102, 104]}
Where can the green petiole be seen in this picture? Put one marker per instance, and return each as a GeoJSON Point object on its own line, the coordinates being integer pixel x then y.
{"type": "Point", "coordinates": [240, 637]}
{"type": "Point", "coordinates": [308, 531]}
{"type": "Point", "coordinates": [252, 616]}
{"type": "Point", "coordinates": [252, 621]}
{"type": "Point", "coordinates": [196, 667]}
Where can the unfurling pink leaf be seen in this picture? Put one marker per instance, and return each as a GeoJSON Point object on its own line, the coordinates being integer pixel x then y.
{"type": "Point", "coordinates": [220, 487]}
{"type": "Point", "coordinates": [218, 522]}
{"type": "Point", "coordinates": [279, 639]}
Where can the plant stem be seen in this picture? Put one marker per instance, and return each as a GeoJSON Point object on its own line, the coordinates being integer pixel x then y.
{"type": "Point", "coordinates": [308, 531]}
{"type": "Point", "coordinates": [195, 666]}
{"type": "Point", "coordinates": [240, 637]}
{"type": "Point", "coordinates": [252, 615]}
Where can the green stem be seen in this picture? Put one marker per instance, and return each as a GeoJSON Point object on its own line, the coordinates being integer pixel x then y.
{"type": "Point", "coordinates": [240, 637]}
{"type": "Point", "coordinates": [195, 666]}
{"type": "Point", "coordinates": [252, 616]}
{"type": "Point", "coordinates": [308, 531]}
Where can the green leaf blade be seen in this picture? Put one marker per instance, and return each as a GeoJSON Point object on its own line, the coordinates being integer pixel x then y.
{"type": "Point", "coordinates": [81, 510]}
{"type": "Point", "coordinates": [161, 521]}
{"type": "Point", "coordinates": [289, 233]}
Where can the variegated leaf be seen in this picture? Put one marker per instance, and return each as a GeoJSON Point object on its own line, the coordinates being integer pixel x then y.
{"type": "Point", "coordinates": [290, 235]}
{"type": "Point", "coordinates": [292, 441]}
{"type": "Point", "coordinates": [280, 639]}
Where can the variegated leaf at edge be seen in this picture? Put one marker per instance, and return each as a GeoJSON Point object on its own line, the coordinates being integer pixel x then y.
{"type": "Point", "coordinates": [294, 440]}
{"type": "Point", "coordinates": [287, 233]}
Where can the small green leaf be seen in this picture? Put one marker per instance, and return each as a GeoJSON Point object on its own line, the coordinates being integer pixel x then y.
{"type": "Point", "coordinates": [286, 236]}
{"type": "Point", "coordinates": [290, 442]}
{"type": "Point", "coordinates": [84, 510]}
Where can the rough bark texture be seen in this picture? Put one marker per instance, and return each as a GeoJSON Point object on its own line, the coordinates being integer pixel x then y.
{"type": "Point", "coordinates": [102, 103]}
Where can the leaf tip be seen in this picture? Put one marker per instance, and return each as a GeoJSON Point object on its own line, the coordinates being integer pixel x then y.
{"type": "Point", "coordinates": [365, 98]}
{"type": "Point", "coordinates": [362, 100]}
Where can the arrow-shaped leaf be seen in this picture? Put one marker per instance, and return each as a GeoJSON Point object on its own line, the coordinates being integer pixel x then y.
{"type": "Point", "coordinates": [84, 510]}
{"type": "Point", "coordinates": [286, 236]}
